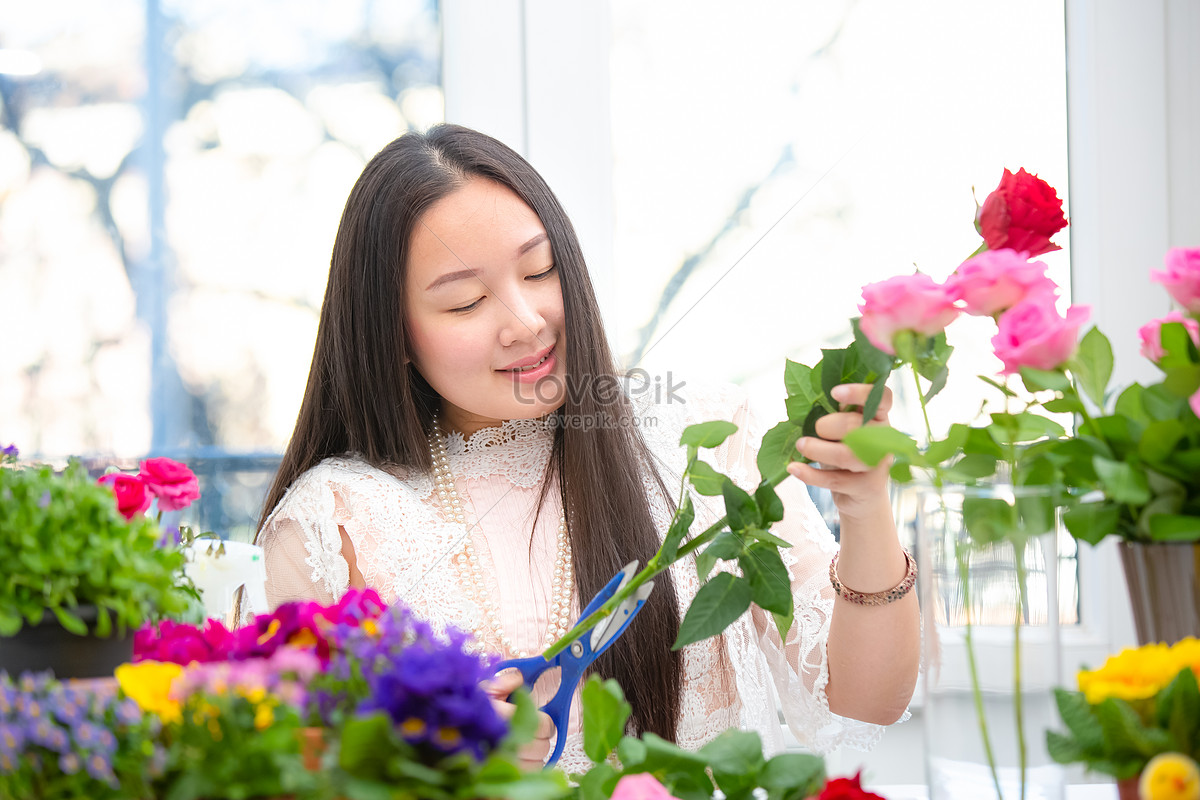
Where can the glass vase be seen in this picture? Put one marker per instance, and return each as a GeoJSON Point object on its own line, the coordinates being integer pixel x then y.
{"type": "Point", "coordinates": [990, 577]}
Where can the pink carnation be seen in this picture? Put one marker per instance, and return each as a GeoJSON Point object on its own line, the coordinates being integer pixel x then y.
{"type": "Point", "coordinates": [1032, 334]}
{"type": "Point", "coordinates": [642, 786]}
{"type": "Point", "coordinates": [904, 303]}
{"type": "Point", "coordinates": [996, 280]}
{"type": "Point", "coordinates": [1182, 277]}
{"type": "Point", "coordinates": [172, 483]}
{"type": "Point", "coordinates": [1151, 334]}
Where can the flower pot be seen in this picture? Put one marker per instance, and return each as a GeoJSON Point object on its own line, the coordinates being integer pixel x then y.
{"type": "Point", "coordinates": [1127, 788]}
{"type": "Point", "coordinates": [988, 584]}
{"type": "Point", "coordinates": [48, 645]}
{"type": "Point", "coordinates": [312, 747]}
{"type": "Point", "coordinates": [1163, 589]}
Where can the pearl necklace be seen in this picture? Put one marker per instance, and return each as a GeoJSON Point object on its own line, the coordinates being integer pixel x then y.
{"type": "Point", "coordinates": [563, 582]}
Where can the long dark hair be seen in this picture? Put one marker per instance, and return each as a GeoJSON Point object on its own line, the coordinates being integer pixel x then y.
{"type": "Point", "coordinates": [365, 396]}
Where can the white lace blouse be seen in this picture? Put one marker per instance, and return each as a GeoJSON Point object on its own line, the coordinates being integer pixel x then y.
{"type": "Point", "coordinates": [403, 544]}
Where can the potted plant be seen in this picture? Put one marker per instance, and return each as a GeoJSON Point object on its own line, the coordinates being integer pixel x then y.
{"type": "Point", "coordinates": [83, 571]}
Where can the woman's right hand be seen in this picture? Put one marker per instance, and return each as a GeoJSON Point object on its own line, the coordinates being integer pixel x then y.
{"type": "Point", "coordinates": [534, 754]}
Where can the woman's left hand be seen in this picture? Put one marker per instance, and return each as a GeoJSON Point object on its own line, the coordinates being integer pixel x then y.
{"type": "Point", "coordinates": [858, 490]}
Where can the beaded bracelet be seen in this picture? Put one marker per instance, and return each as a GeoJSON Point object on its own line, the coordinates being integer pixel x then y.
{"type": "Point", "coordinates": [875, 598]}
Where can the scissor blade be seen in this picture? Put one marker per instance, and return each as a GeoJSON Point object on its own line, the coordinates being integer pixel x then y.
{"type": "Point", "coordinates": [627, 572]}
{"type": "Point", "coordinates": [614, 625]}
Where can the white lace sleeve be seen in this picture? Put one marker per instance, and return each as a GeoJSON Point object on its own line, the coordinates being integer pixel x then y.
{"type": "Point", "coordinates": [301, 543]}
{"type": "Point", "coordinates": [798, 668]}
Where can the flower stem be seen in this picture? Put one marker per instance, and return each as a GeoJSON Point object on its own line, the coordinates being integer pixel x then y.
{"type": "Point", "coordinates": [962, 561]}
{"type": "Point", "coordinates": [656, 565]}
{"type": "Point", "coordinates": [1018, 700]}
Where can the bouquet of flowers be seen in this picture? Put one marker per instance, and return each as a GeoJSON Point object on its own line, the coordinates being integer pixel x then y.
{"type": "Point", "coordinates": [1142, 704]}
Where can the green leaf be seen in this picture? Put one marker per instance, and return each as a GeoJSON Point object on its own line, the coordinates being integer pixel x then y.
{"type": "Point", "coordinates": [1177, 709]}
{"type": "Point", "coordinates": [1122, 729]}
{"type": "Point", "coordinates": [798, 382]}
{"type": "Point", "coordinates": [1064, 749]}
{"type": "Point", "coordinates": [793, 775]}
{"type": "Point", "coordinates": [778, 448]}
{"type": "Point", "coordinates": [1023, 427]}
{"type": "Point", "coordinates": [783, 623]}
{"type": "Point", "coordinates": [770, 584]}
{"type": "Point", "coordinates": [740, 509]}
{"type": "Point", "coordinates": [1174, 528]}
{"type": "Point", "coordinates": [1093, 365]}
{"type": "Point", "coordinates": [1091, 522]}
{"type": "Point", "coordinates": [874, 442]}
{"type": "Point", "coordinates": [1007, 392]}
{"type": "Point", "coordinates": [707, 434]}
{"type": "Point", "coordinates": [1064, 405]}
{"type": "Point", "coordinates": [715, 607]}
{"type": "Point", "coordinates": [663, 757]}
{"type": "Point", "coordinates": [760, 535]}
{"type": "Point", "coordinates": [1080, 718]}
{"type": "Point", "coordinates": [707, 480]}
{"type": "Point", "coordinates": [735, 757]}
{"type": "Point", "coordinates": [365, 745]}
{"type": "Point", "coordinates": [632, 753]}
{"type": "Point", "coordinates": [523, 725]}
{"type": "Point", "coordinates": [681, 523]}
{"type": "Point", "coordinates": [70, 621]}
{"type": "Point", "coordinates": [1183, 380]}
{"type": "Point", "coordinates": [874, 398]}
{"type": "Point", "coordinates": [1122, 483]}
{"type": "Point", "coordinates": [971, 467]}
{"type": "Point", "coordinates": [597, 783]}
{"type": "Point", "coordinates": [873, 359]}
{"type": "Point", "coordinates": [725, 545]}
{"type": "Point", "coordinates": [988, 519]}
{"type": "Point", "coordinates": [1040, 380]}
{"type": "Point", "coordinates": [943, 449]}
{"type": "Point", "coordinates": [1160, 439]}
{"type": "Point", "coordinates": [770, 507]}
{"type": "Point", "coordinates": [605, 713]}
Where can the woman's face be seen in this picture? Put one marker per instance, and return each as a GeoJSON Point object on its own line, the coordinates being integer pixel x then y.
{"type": "Point", "coordinates": [482, 297]}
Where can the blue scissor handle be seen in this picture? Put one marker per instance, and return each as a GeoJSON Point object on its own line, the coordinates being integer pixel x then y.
{"type": "Point", "coordinates": [573, 662]}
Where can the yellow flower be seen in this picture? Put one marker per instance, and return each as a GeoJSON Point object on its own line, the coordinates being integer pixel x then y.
{"type": "Point", "coordinates": [1187, 653]}
{"type": "Point", "coordinates": [264, 715]}
{"type": "Point", "coordinates": [149, 684]}
{"type": "Point", "coordinates": [1170, 776]}
{"type": "Point", "coordinates": [1133, 674]}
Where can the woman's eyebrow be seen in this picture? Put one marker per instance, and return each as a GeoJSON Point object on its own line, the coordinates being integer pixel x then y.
{"type": "Point", "coordinates": [474, 273]}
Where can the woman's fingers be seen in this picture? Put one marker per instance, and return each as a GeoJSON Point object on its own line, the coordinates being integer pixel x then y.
{"type": "Point", "coordinates": [532, 755]}
{"type": "Point", "coordinates": [830, 455]}
{"type": "Point", "coordinates": [856, 394]}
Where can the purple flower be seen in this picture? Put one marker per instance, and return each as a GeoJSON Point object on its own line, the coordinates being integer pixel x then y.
{"type": "Point", "coordinates": [10, 452]}
{"type": "Point", "coordinates": [127, 712]}
{"type": "Point", "coordinates": [69, 763]}
{"type": "Point", "coordinates": [429, 686]}
{"type": "Point", "coordinates": [67, 706]}
{"type": "Point", "coordinates": [12, 739]}
{"type": "Point", "coordinates": [45, 733]}
{"type": "Point", "coordinates": [44, 500]}
{"type": "Point", "coordinates": [100, 768]}
{"type": "Point", "coordinates": [87, 735]}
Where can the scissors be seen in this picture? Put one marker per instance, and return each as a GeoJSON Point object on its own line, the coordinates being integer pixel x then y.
{"type": "Point", "coordinates": [575, 660]}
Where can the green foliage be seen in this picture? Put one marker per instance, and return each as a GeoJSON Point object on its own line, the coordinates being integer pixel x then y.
{"type": "Point", "coordinates": [1118, 738]}
{"type": "Point", "coordinates": [65, 545]}
{"type": "Point", "coordinates": [732, 763]}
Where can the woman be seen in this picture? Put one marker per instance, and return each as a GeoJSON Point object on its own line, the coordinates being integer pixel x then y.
{"type": "Point", "coordinates": [464, 445]}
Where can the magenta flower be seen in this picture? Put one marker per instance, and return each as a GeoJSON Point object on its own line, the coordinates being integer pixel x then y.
{"type": "Point", "coordinates": [180, 643]}
{"type": "Point", "coordinates": [172, 483]}
{"type": "Point", "coordinates": [132, 497]}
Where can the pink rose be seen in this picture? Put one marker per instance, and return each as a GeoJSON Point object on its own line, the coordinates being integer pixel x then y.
{"type": "Point", "coordinates": [1032, 334]}
{"type": "Point", "coordinates": [132, 498]}
{"type": "Point", "coordinates": [1182, 276]}
{"type": "Point", "coordinates": [172, 483]}
{"type": "Point", "coordinates": [996, 280]}
{"type": "Point", "coordinates": [904, 303]}
{"type": "Point", "coordinates": [642, 786]}
{"type": "Point", "coordinates": [1151, 334]}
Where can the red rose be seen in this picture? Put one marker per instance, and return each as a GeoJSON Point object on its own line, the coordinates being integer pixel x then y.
{"type": "Point", "coordinates": [132, 498]}
{"type": "Point", "coordinates": [1022, 214]}
{"type": "Point", "coordinates": [847, 789]}
{"type": "Point", "coordinates": [172, 483]}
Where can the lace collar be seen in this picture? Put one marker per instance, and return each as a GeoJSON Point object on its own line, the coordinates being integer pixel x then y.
{"type": "Point", "coordinates": [516, 449]}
